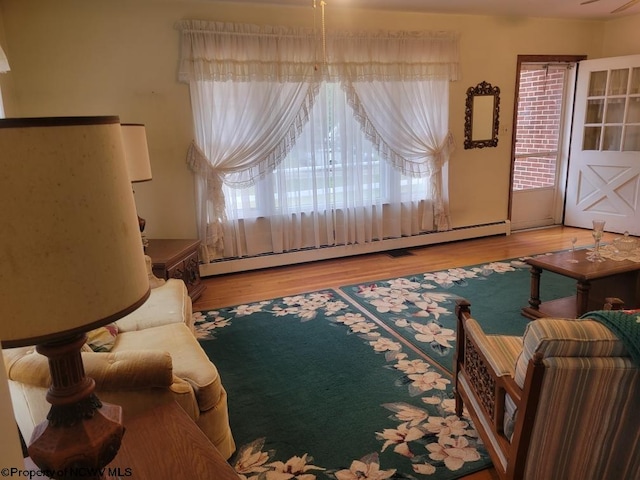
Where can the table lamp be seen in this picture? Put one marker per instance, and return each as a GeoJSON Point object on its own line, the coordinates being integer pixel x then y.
{"type": "Point", "coordinates": [136, 153]}
{"type": "Point", "coordinates": [72, 262]}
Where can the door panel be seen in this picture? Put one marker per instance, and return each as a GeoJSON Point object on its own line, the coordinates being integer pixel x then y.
{"type": "Point", "coordinates": [533, 208]}
{"type": "Point", "coordinates": [604, 167]}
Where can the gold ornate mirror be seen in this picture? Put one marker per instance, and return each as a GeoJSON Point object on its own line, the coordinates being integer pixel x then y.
{"type": "Point", "coordinates": [481, 116]}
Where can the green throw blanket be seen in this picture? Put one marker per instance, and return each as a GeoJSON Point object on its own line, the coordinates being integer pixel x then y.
{"type": "Point", "coordinates": [626, 325]}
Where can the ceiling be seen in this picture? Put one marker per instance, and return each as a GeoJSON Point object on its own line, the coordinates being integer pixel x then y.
{"type": "Point", "coordinates": [599, 9]}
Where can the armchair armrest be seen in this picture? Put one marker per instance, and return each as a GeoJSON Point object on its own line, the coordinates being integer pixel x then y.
{"type": "Point", "coordinates": [129, 370]}
{"type": "Point", "coordinates": [134, 370]}
{"type": "Point", "coordinates": [489, 362]}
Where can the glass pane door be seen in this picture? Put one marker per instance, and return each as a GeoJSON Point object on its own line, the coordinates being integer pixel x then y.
{"type": "Point", "coordinates": [612, 120]}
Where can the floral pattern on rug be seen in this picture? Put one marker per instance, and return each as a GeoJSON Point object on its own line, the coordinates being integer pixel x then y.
{"type": "Point", "coordinates": [419, 309]}
{"type": "Point", "coordinates": [428, 433]}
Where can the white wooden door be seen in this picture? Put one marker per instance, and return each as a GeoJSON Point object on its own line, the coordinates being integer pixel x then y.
{"type": "Point", "coordinates": [604, 166]}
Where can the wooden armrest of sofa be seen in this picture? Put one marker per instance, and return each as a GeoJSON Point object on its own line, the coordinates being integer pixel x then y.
{"type": "Point", "coordinates": [489, 382]}
{"type": "Point", "coordinates": [488, 361]}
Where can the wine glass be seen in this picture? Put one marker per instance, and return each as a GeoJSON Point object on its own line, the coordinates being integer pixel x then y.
{"type": "Point", "coordinates": [597, 232]}
{"type": "Point", "coordinates": [573, 258]}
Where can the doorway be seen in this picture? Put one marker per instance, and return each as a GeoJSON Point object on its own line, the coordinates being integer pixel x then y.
{"type": "Point", "coordinates": [545, 86]}
{"type": "Point", "coordinates": [604, 176]}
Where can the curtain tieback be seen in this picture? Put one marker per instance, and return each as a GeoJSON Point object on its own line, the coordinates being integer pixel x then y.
{"type": "Point", "coordinates": [439, 154]}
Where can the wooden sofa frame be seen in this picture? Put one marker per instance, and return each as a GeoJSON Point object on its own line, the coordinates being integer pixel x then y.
{"type": "Point", "coordinates": [491, 390]}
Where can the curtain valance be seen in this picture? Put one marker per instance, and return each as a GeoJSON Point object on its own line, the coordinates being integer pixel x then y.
{"type": "Point", "coordinates": [243, 52]}
{"type": "Point", "coordinates": [393, 56]}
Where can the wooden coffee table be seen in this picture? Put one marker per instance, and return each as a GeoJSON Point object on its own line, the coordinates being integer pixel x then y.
{"type": "Point", "coordinates": [594, 282]}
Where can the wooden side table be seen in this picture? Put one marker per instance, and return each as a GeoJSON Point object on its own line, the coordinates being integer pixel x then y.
{"type": "Point", "coordinates": [163, 442]}
{"type": "Point", "coordinates": [595, 281]}
{"type": "Point", "coordinates": [177, 258]}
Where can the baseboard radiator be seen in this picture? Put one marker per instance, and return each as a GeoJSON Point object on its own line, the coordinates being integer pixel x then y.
{"type": "Point", "coordinates": [311, 255]}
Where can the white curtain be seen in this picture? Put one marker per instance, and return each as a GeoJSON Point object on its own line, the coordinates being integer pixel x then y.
{"type": "Point", "coordinates": [316, 151]}
{"type": "Point", "coordinates": [4, 63]}
{"type": "Point", "coordinates": [333, 188]}
{"type": "Point", "coordinates": [409, 123]}
{"type": "Point", "coordinates": [4, 68]}
{"type": "Point", "coordinates": [251, 92]}
{"type": "Point", "coordinates": [250, 121]}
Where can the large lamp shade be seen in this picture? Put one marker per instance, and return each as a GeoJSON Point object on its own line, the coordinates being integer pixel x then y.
{"type": "Point", "coordinates": [70, 248]}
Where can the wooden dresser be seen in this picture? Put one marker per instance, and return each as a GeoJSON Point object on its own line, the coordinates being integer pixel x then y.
{"type": "Point", "coordinates": [177, 258]}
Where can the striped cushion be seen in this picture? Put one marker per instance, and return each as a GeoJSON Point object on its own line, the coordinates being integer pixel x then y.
{"type": "Point", "coordinates": [555, 337]}
{"type": "Point", "coordinates": [510, 414]}
{"type": "Point", "coordinates": [586, 423]}
{"type": "Point", "coordinates": [501, 351]}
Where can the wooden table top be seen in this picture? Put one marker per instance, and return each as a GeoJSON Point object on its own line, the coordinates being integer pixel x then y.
{"type": "Point", "coordinates": [583, 270]}
{"type": "Point", "coordinates": [161, 443]}
{"type": "Point", "coordinates": [164, 250]}
{"type": "Point", "coordinates": [164, 442]}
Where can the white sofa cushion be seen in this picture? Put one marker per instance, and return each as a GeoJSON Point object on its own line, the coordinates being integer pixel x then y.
{"type": "Point", "coordinates": [168, 303]}
{"type": "Point", "coordinates": [189, 360]}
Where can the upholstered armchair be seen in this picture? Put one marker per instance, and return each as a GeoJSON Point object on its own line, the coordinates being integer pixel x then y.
{"type": "Point", "coordinates": [560, 402]}
{"type": "Point", "coordinates": [145, 359]}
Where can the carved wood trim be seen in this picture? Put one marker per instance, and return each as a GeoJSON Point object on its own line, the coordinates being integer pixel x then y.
{"type": "Point", "coordinates": [480, 378]}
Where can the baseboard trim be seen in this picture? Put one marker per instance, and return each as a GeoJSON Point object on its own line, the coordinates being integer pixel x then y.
{"type": "Point", "coordinates": [290, 258]}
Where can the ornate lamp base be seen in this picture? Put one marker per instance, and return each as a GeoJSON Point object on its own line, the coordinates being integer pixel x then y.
{"type": "Point", "coordinates": [81, 434]}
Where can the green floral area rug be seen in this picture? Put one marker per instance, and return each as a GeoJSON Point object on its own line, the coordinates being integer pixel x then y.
{"type": "Point", "coordinates": [319, 390]}
{"type": "Point", "coordinates": [354, 383]}
{"type": "Point", "coordinates": [421, 307]}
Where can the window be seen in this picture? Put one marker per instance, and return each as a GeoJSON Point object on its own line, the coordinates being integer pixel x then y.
{"type": "Point", "coordinates": [331, 166]}
{"type": "Point", "coordinates": [292, 153]}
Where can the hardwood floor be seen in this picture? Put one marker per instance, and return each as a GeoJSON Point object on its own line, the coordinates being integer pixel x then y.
{"type": "Point", "coordinates": [252, 286]}
{"type": "Point", "coordinates": [246, 287]}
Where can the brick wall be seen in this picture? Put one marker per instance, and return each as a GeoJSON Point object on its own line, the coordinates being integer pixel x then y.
{"type": "Point", "coordinates": [539, 116]}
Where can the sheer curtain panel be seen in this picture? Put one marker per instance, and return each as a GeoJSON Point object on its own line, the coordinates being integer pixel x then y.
{"type": "Point", "coordinates": [4, 63]}
{"type": "Point", "coordinates": [296, 150]}
{"type": "Point", "coordinates": [251, 91]}
{"type": "Point", "coordinates": [4, 68]}
{"type": "Point", "coordinates": [409, 124]}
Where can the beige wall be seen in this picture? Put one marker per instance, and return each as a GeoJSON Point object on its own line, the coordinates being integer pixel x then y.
{"type": "Point", "coordinates": [622, 37]}
{"type": "Point", "coordinates": [79, 57]}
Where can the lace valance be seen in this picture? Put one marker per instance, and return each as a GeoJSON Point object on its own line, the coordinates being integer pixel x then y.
{"type": "Point", "coordinates": [243, 52]}
{"type": "Point", "coordinates": [389, 56]}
